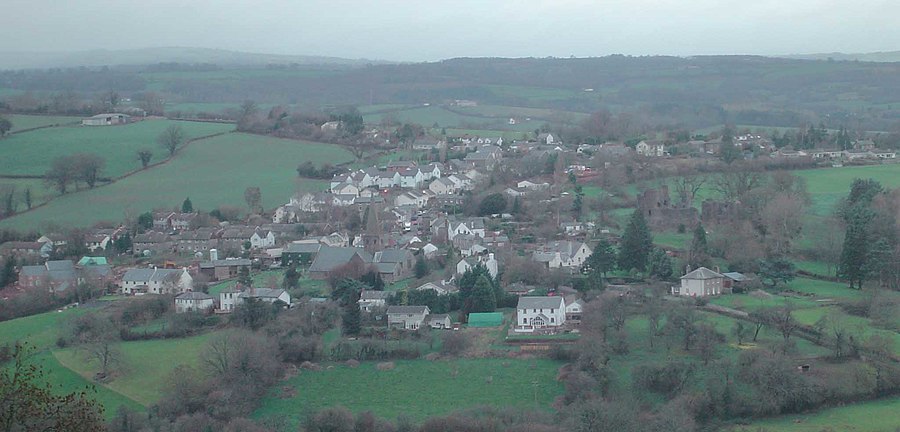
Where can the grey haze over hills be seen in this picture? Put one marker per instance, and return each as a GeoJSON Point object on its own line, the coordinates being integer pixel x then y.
{"type": "Point", "coordinates": [144, 56]}
{"type": "Point", "coordinates": [881, 56]}
{"type": "Point", "coordinates": [221, 57]}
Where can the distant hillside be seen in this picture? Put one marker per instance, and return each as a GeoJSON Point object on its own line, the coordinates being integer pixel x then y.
{"type": "Point", "coordinates": [883, 57]}
{"type": "Point", "coordinates": [144, 56]}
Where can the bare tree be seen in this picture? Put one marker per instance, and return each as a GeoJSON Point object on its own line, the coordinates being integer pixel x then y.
{"type": "Point", "coordinates": [171, 138]}
{"type": "Point", "coordinates": [88, 167]}
{"type": "Point", "coordinates": [688, 186]}
{"type": "Point", "coordinates": [60, 174]}
{"type": "Point", "coordinates": [737, 183]}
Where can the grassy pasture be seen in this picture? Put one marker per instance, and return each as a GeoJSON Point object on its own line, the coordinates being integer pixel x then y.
{"type": "Point", "coordinates": [872, 416]}
{"type": "Point", "coordinates": [211, 172]}
{"type": "Point", "coordinates": [417, 388]}
{"type": "Point", "coordinates": [146, 365]}
{"type": "Point", "coordinates": [32, 153]}
{"type": "Point", "coordinates": [65, 380]}
{"type": "Point", "coordinates": [22, 122]}
{"type": "Point", "coordinates": [40, 191]}
{"type": "Point", "coordinates": [40, 331]}
{"type": "Point", "coordinates": [828, 185]}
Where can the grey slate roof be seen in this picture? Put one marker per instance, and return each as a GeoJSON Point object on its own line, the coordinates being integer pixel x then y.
{"type": "Point", "coordinates": [373, 295]}
{"type": "Point", "coordinates": [146, 275]}
{"type": "Point", "coordinates": [263, 293]}
{"type": "Point", "coordinates": [407, 310]}
{"type": "Point", "coordinates": [540, 303]}
{"type": "Point", "coordinates": [702, 273]}
{"type": "Point", "coordinates": [192, 295]}
{"type": "Point", "coordinates": [330, 258]}
{"type": "Point", "coordinates": [303, 248]}
{"type": "Point", "coordinates": [225, 263]}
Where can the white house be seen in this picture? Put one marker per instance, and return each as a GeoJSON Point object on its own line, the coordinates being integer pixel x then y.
{"type": "Point", "coordinates": [558, 254]}
{"type": "Point", "coordinates": [574, 309]}
{"type": "Point", "coordinates": [371, 299]}
{"type": "Point", "coordinates": [388, 179]}
{"type": "Point", "coordinates": [230, 299]}
{"type": "Point", "coordinates": [262, 239]}
{"type": "Point", "coordinates": [413, 198]}
{"type": "Point", "coordinates": [488, 261]}
{"type": "Point", "coordinates": [411, 178]}
{"type": "Point", "coordinates": [534, 313]}
{"type": "Point", "coordinates": [474, 226]}
{"type": "Point", "coordinates": [407, 317]}
{"type": "Point", "coordinates": [345, 189]}
{"type": "Point", "coordinates": [699, 283]}
{"type": "Point", "coordinates": [651, 149]}
{"type": "Point", "coordinates": [443, 186]}
{"type": "Point", "coordinates": [439, 287]}
{"type": "Point", "coordinates": [156, 281]}
{"type": "Point", "coordinates": [432, 171]}
{"type": "Point", "coordinates": [193, 302]}
{"type": "Point", "coordinates": [439, 321]}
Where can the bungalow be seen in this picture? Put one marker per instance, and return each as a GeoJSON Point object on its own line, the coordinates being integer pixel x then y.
{"type": "Point", "coordinates": [574, 309]}
{"type": "Point", "coordinates": [156, 281]}
{"type": "Point", "coordinates": [193, 302]}
{"type": "Point", "coordinates": [230, 299]}
{"type": "Point", "coordinates": [407, 317]}
{"type": "Point", "coordinates": [439, 287]}
{"type": "Point", "coordinates": [700, 283]}
{"type": "Point", "coordinates": [533, 313]}
{"type": "Point", "coordinates": [413, 198]}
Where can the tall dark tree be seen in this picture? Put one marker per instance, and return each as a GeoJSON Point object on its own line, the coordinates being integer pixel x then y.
{"type": "Point", "coordinates": [8, 271]}
{"type": "Point", "coordinates": [351, 319]}
{"type": "Point", "coordinates": [659, 264]}
{"type": "Point", "coordinates": [855, 252]}
{"type": "Point", "coordinates": [602, 259]}
{"type": "Point", "coordinates": [291, 278]}
{"type": "Point", "coordinates": [698, 255]}
{"type": "Point", "coordinates": [421, 268]}
{"type": "Point", "coordinates": [187, 206]}
{"type": "Point", "coordinates": [636, 244]}
{"type": "Point", "coordinates": [28, 198]}
{"type": "Point", "coordinates": [5, 126]}
{"type": "Point", "coordinates": [776, 271]}
{"type": "Point", "coordinates": [145, 156]}
{"type": "Point", "coordinates": [483, 297]}
{"type": "Point", "coordinates": [145, 221]}
{"type": "Point", "coordinates": [244, 277]}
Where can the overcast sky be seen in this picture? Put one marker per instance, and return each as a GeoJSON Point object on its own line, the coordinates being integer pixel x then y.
{"type": "Point", "coordinates": [416, 30]}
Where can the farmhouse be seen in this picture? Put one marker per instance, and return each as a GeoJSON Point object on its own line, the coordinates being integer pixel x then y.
{"type": "Point", "coordinates": [193, 302]}
{"type": "Point", "coordinates": [106, 119]}
{"type": "Point", "coordinates": [699, 283]}
{"type": "Point", "coordinates": [533, 313]}
{"type": "Point", "coordinates": [407, 317]}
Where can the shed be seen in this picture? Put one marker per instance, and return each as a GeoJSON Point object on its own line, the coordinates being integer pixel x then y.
{"type": "Point", "coordinates": [485, 319]}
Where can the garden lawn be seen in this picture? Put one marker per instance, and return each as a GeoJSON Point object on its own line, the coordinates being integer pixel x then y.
{"type": "Point", "coordinates": [261, 279]}
{"type": "Point", "coordinates": [871, 416]}
{"type": "Point", "coordinates": [824, 289]}
{"type": "Point", "coordinates": [417, 388]}
{"type": "Point", "coordinates": [212, 172]}
{"type": "Point", "coordinates": [146, 366]}
{"type": "Point", "coordinates": [32, 153]}
{"type": "Point", "coordinates": [22, 122]}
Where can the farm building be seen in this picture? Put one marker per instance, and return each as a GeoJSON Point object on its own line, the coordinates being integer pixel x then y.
{"type": "Point", "coordinates": [106, 119]}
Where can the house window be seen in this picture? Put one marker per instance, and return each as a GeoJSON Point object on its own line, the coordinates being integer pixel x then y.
{"type": "Point", "coordinates": [524, 320]}
{"type": "Point", "coordinates": [551, 310]}
{"type": "Point", "coordinates": [552, 320]}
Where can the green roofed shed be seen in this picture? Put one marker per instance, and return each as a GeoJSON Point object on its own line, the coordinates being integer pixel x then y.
{"type": "Point", "coordinates": [485, 319]}
{"type": "Point", "coordinates": [92, 261]}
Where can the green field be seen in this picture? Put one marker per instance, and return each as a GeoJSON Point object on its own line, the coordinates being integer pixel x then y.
{"type": "Point", "coordinates": [40, 331]}
{"type": "Point", "coordinates": [41, 192]}
{"type": "Point", "coordinates": [145, 366]}
{"type": "Point", "coordinates": [828, 185]}
{"type": "Point", "coordinates": [211, 172]}
{"type": "Point", "coordinates": [32, 153]}
{"type": "Point", "coordinates": [417, 388]}
{"type": "Point", "coordinates": [873, 416]}
{"type": "Point", "coordinates": [22, 122]}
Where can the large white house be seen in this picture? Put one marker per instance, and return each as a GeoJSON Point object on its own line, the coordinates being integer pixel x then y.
{"type": "Point", "coordinates": [407, 317]}
{"type": "Point", "coordinates": [699, 283]}
{"type": "Point", "coordinates": [493, 267]}
{"type": "Point", "coordinates": [156, 281]}
{"type": "Point", "coordinates": [533, 313]}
